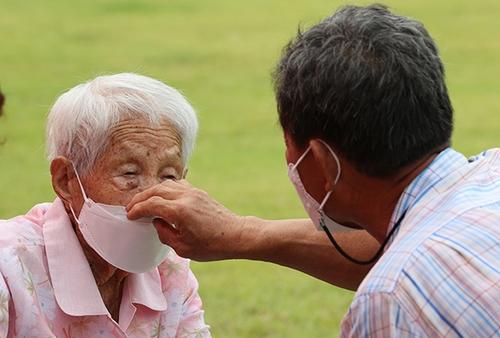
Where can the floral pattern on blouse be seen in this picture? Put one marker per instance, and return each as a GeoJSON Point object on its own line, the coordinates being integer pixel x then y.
{"type": "Point", "coordinates": [47, 288]}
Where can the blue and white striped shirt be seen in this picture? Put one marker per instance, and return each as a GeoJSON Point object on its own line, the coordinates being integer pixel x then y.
{"type": "Point", "coordinates": [440, 276]}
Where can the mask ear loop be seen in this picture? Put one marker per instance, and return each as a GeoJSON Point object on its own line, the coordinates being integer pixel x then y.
{"type": "Point", "coordinates": [85, 198]}
{"type": "Point", "coordinates": [337, 178]}
{"type": "Point", "coordinates": [80, 182]}
{"type": "Point", "coordinates": [301, 157]}
{"type": "Point", "coordinates": [339, 168]}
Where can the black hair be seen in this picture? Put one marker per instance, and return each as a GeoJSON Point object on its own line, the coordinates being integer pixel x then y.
{"type": "Point", "coordinates": [370, 83]}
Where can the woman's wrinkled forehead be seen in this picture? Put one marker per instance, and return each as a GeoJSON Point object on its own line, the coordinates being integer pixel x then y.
{"type": "Point", "coordinates": [80, 121]}
{"type": "Point", "coordinates": [138, 129]}
{"type": "Point", "coordinates": [138, 141]}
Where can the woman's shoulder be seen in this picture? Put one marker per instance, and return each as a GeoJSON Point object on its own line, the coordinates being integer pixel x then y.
{"type": "Point", "coordinates": [175, 270]}
{"type": "Point", "coordinates": [174, 262]}
{"type": "Point", "coordinates": [24, 230]}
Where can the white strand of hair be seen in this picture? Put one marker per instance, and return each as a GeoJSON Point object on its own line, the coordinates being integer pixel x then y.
{"type": "Point", "coordinates": [79, 122]}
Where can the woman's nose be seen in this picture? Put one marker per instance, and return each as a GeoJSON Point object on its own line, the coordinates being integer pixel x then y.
{"type": "Point", "coordinates": [149, 182]}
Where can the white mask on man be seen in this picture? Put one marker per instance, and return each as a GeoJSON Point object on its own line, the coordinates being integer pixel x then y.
{"type": "Point", "coordinates": [132, 246]}
{"type": "Point", "coordinates": [312, 207]}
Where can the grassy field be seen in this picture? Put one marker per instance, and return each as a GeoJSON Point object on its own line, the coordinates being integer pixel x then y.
{"type": "Point", "coordinates": [220, 54]}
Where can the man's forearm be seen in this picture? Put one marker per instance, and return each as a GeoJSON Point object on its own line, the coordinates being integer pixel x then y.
{"type": "Point", "coordinates": [206, 231]}
{"type": "Point", "coordinates": [295, 243]}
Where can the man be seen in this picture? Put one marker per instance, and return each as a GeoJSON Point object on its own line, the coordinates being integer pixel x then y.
{"type": "Point", "coordinates": [367, 123]}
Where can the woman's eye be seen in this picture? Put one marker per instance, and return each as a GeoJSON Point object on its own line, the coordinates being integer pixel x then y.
{"type": "Point", "coordinates": [130, 173]}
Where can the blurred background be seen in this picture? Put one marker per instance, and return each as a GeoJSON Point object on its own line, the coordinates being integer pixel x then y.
{"type": "Point", "coordinates": [220, 53]}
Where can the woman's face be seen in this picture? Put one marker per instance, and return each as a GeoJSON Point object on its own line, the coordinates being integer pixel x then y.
{"type": "Point", "coordinates": [137, 157]}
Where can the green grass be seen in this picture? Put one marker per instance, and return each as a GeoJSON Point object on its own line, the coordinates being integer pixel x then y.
{"type": "Point", "coordinates": [220, 54]}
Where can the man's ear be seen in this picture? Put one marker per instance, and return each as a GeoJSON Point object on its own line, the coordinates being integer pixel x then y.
{"type": "Point", "coordinates": [327, 162]}
{"type": "Point", "coordinates": [62, 173]}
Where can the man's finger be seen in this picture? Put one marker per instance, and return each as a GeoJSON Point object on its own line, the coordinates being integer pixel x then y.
{"type": "Point", "coordinates": [184, 183]}
{"type": "Point", "coordinates": [169, 189]}
{"type": "Point", "coordinates": [154, 207]}
{"type": "Point", "coordinates": [166, 232]}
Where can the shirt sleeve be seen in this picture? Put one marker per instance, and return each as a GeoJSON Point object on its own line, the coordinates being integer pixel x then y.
{"type": "Point", "coordinates": [192, 322]}
{"type": "Point", "coordinates": [4, 308]}
{"type": "Point", "coordinates": [378, 316]}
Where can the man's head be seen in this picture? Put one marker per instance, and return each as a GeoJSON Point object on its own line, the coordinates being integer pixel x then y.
{"type": "Point", "coordinates": [368, 82]}
{"type": "Point", "coordinates": [371, 85]}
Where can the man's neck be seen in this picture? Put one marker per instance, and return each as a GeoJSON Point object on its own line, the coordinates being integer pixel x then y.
{"type": "Point", "coordinates": [379, 198]}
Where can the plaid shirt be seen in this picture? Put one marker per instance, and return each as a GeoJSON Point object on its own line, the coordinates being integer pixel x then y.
{"type": "Point", "coordinates": [440, 276]}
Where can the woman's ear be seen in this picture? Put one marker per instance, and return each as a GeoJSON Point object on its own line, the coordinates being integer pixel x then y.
{"type": "Point", "coordinates": [62, 173]}
{"type": "Point", "coordinates": [328, 164]}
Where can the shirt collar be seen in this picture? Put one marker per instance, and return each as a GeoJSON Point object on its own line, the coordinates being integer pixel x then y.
{"type": "Point", "coordinates": [74, 285]}
{"type": "Point", "coordinates": [446, 162]}
{"type": "Point", "coordinates": [144, 289]}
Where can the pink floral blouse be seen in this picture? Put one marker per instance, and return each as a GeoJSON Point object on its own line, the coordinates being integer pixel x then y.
{"type": "Point", "coordinates": [47, 288]}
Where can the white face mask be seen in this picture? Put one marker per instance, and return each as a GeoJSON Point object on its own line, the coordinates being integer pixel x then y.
{"type": "Point", "coordinates": [132, 246]}
{"type": "Point", "coordinates": [312, 207]}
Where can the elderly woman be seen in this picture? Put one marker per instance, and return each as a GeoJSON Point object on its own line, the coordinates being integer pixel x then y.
{"type": "Point", "coordinates": [78, 267]}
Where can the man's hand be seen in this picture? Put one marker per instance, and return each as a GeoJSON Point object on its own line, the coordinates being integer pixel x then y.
{"type": "Point", "coordinates": [198, 227]}
{"type": "Point", "coordinates": [191, 222]}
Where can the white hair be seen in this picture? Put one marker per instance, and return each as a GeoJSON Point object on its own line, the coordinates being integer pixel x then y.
{"type": "Point", "coordinates": [79, 122]}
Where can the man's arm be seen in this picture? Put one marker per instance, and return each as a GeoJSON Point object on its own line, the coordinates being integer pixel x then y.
{"type": "Point", "coordinates": [205, 231]}
{"type": "Point", "coordinates": [297, 244]}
